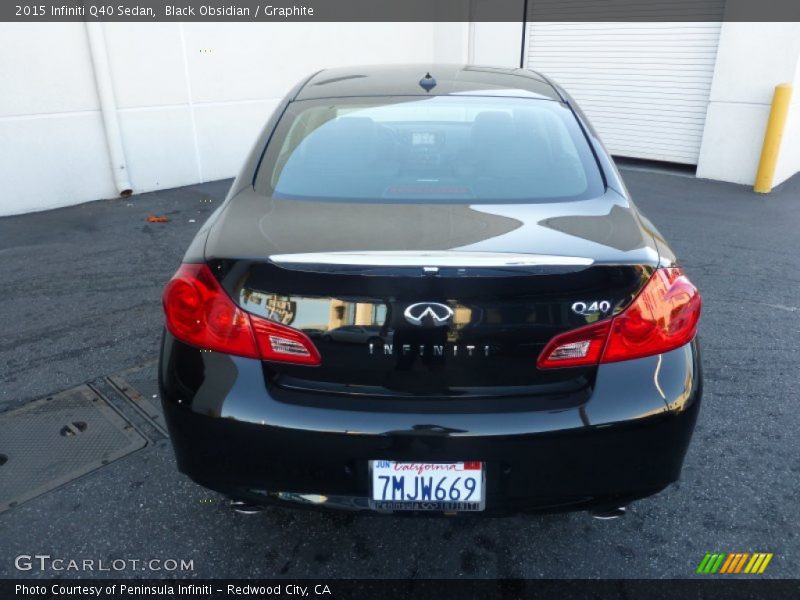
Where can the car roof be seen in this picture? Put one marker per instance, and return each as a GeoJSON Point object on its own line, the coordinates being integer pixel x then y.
{"type": "Point", "coordinates": [404, 80]}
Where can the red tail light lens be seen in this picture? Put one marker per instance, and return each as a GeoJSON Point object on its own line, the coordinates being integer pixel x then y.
{"type": "Point", "coordinates": [575, 348]}
{"type": "Point", "coordinates": [282, 343]}
{"type": "Point", "coordinates": [199, 312]}
{"type": "Point", "coordinates": [663, 317]}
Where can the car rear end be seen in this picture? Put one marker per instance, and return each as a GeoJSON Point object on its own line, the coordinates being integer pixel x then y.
{"type": "Point", "coordinates": [424, 333]}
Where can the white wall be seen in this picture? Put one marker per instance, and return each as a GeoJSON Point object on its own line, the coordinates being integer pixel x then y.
{"type": "Point", "coordinates": [191, 97]}
{"type": "Point", "coordinates": [52, 147]}
{"type": "Point", "coordinates": [496, 44]}
{"type": "Point", "coordinates": [451, 42]}
{"type": "Point", "coordinates": [789, 160]}
{"type": "Point", "coordinates": [751, 60]}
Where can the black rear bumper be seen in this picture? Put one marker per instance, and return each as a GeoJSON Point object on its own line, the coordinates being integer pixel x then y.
{"type": "Point", "coordinates": [627, 442]}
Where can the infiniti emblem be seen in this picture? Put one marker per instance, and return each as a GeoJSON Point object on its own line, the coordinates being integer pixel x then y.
{"type": "Point", "coordinates": [439, 314]}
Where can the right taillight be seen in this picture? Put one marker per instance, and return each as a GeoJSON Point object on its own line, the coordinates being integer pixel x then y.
{"type": "Point", "coordinates": [662, 317]}
{"type": "Point", "coordinates": [200, 313]}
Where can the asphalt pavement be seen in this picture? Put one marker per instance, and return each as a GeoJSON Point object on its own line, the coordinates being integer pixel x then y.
{"type": "Point", "coordinates": [81, 300]}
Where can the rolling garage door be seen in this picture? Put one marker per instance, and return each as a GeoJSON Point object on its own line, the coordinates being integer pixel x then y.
{"type": "Point", "coordinates": [644, 85]}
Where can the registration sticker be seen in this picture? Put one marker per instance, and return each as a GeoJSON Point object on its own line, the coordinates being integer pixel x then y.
{"type": "Point", "coordinates": [450, 487]}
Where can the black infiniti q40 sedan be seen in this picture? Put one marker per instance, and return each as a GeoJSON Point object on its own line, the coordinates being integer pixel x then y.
{"type": "Point", "coordinates": [429, 290]}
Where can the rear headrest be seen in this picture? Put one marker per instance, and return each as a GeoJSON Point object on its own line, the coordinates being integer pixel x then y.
{"type": "Point", "coordinates": [346, 140]}
{"type": "Point", "coordinates": [530, 128]}
{"type": "Point", "coordinates": [491, 127]}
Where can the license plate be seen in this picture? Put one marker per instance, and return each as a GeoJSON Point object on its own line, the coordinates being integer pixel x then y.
{"type": "Point", "coordinates": [446, 487]}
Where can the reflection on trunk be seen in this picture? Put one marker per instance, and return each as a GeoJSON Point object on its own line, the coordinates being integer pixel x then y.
{"type": "Point", "coordinates": [499, 322]}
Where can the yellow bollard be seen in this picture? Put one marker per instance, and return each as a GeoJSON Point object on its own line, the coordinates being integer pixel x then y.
{"type": "Point", "coordinates": [772, 138]}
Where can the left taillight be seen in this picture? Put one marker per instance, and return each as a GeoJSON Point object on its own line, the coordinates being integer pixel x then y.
{"type": "Point", "coordinates": [200, 313]}
{"type": "Point", "coordinates": [664, 316]}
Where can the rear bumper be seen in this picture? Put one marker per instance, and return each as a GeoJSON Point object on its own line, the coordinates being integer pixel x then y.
{"type": "Point", "coordinates": [626, 442]}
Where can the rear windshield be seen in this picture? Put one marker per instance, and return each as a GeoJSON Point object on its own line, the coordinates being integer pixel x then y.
{"type": "Point", "coordinates": [441, 148]}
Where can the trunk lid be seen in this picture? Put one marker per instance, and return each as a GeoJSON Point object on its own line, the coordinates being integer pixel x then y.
{"type": "Point", "coordinates": [434, 300]}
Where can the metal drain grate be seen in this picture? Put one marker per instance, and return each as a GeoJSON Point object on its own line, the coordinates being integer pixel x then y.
{"type": "Point", "coordinates": [52, 441]}
{"type": "Point", "coordinates": [140, 386]}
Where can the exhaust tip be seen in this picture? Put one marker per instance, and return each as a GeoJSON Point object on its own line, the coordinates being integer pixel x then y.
{"type": "Point", "coordinates": [245, 508]}
{"type": "Point", "coordinates": [609, 513]}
